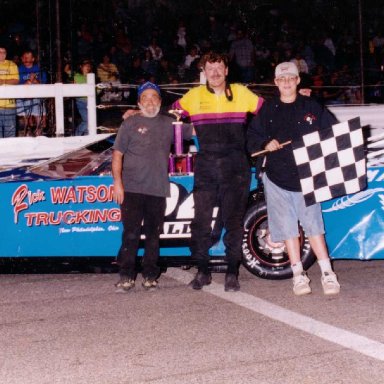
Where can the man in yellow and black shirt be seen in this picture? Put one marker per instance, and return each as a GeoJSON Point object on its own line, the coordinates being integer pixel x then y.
{"type": "Point", "coordinates": [219, 112]}
{"type": "Point", "coordinates": [9, 75]}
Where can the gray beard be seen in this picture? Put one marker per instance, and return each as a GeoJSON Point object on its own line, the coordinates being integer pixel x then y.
{"type": "Point", "coordinates": [149, 114]}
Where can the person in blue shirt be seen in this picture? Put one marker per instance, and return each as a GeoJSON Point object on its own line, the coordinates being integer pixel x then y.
{"type": "Point", "coordinates": [33, 110]}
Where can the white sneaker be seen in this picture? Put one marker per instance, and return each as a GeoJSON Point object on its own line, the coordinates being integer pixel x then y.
{"type": "Point", "coordinates": [301, 284]}
{"type": "Point", "coordinates": [330, 284]}
{"type": "Point", "coordinates": [124, 285]}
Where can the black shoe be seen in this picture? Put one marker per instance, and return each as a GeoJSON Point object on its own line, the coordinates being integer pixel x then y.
{"type": "Point", "coordinates": [231, 283]}
{"type": "Point", "coordinates": [200, 280]}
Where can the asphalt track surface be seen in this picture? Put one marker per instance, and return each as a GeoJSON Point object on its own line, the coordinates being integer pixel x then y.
{"type": "Point", "coordinates": [73, 328]}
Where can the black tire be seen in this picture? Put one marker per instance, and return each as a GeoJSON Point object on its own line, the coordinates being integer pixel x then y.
{"type": "Point", "coordinates": [261, 256]}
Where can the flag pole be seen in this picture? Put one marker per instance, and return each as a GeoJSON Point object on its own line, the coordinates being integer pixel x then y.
{"type": "Point", "coordinates": [266, 150]}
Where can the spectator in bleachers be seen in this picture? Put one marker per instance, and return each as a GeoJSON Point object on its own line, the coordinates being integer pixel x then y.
{"type": "Point", "coordinates": [17, 47]}
{"type": "Point", "coordinates": [191, 64]}
{"type": "Point", "coordinates": [67, 73]}
{"type": "Point", "coordinates": [149, 65]}
{"type": "Point", "coordinates": [242, 54]}
{"type": "Point", "coordinates": [232, 34]}
{"type": "Point", "coordinates": [323, 55]}
{"type": "Point", "coordinates": [156, 50]}
{"type": "Point", "coordinates": [123, 58]}
{"type": "Point", "coordinates": [262, 60]}
{"type": "Point", "coordinates": [192, 55]}
{"type": "Point", "coordinates": [107, 71]}
{"type": "Point", "coordinates": [320, 78]}
{"type": "Point", "coordinates": [101, 42]}
{"type": "Point", "coordinates": [217, 34]}
{"type": "Point", "coordinates": [137, 75]}
{"type": "Point", "coordinates": [126, 27]}
{"type": "Point", "coordinates": [81, 102]}
{"type": "Point", "coordinates": [300, 62]}
{"type": "Point", "coordinates": [274, 60]}
{"type": "Point", "coordinates": [306, 53]}
{"type": "Point", "coordinates": [9, 75]}
{"type": "Point", "coordinates": [378, 47]}
{"type": "Point", "coordinates": [192, 75]}
{"type": "Point", "coordinates": [32, 111]}
{"type": "Point", "coordinates": [182, 35]}
{"type": "Point", "coordinates": [85, 41]}
{"type": "Point", "coordinates": [175, 53]}
{"type": "Point", "coordinates": [167, 71]}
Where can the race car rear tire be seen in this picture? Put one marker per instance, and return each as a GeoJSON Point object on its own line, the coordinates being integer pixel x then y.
{"type": "Point", "coordinates": [261, 256]}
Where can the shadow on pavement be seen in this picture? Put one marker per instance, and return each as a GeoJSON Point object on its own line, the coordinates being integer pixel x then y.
{"type": "Point", "coordinates": [49, 265]}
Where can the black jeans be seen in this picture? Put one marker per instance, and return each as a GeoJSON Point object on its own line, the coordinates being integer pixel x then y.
{"type": "Point", "coordinates": [232, 199]}
{"type": "Point", "coordinates": [137, 207]}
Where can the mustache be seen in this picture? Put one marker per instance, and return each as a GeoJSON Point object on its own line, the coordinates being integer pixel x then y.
{"type": "Point", "coordinates": [149, 113]}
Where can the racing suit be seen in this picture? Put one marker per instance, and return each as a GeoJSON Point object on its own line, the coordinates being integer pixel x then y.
{"type": "Point", "coordinates": [222, 171]}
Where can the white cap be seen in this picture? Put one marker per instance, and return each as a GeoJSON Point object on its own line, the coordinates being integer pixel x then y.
{"type": "Point", "coordinates": [286, 68]}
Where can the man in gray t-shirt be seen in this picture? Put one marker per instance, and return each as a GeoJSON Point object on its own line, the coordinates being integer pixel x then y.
{"type": "Point", "coordinates": [141, 184]}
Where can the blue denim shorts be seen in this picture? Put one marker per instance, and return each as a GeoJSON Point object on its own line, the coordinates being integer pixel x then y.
{"type": "Point", "coordinates": [30, 107]}
{"type": "Point", "coordinates": [286, 209]}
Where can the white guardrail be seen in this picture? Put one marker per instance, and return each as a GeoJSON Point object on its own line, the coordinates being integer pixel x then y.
{"type": "Point", "coordinates": [58, 91]}
{"type": "Point", "coordinates": [371, 115]}
{"type": "Point", "coordinates": [371, 119]}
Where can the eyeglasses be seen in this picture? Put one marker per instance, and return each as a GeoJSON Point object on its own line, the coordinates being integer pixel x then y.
{"type": "Point", "coordinates": [288, 79]}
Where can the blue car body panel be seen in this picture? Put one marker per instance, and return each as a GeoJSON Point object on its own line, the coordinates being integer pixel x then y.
{"type": "Point", "coordinates": [76, 217]}
{"type": "Point", "coordinates": [355, 224]}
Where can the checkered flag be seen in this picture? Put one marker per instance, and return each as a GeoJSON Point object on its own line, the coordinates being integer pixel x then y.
{"type": "Point", "coordinates": [331, 162]}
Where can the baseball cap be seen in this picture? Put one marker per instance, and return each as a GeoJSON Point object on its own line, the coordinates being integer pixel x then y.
{"type": "Point", "coordinates": [286, 68]}
{"type": "Point", "coordinates": [148, 85]}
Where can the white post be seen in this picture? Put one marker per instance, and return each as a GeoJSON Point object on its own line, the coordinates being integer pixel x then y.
{"type": "Point", "coordinates": [203, 79]}
{"type": "Point", "coordinates": [59, 109]}
{"type": "Point", "coordinates": [91, 105]}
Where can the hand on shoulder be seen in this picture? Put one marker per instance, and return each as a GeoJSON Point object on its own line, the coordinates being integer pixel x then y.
{"type": "Point", "coordinates": [130, 112]}
{"type": "Point", "coordinates": [305, 91]}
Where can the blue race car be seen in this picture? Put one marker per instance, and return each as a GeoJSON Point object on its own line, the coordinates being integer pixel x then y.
{"type": "Point", "coordinates": [64, 208]}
